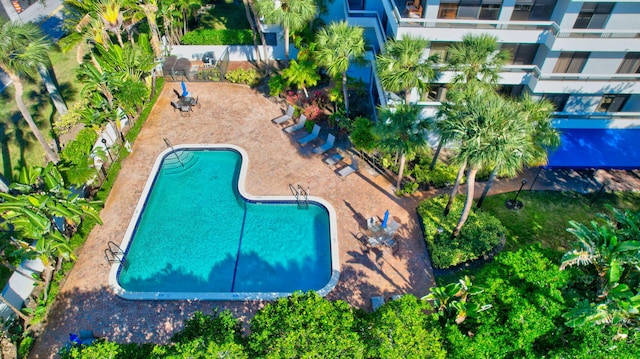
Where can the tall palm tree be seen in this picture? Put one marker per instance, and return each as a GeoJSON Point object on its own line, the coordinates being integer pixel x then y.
{"type": "Point", "coordinates": [403, 131]}
{"type": "Point", "coordinates": [292, 15]}
{"type": "Point", "coordinates": [187, 8]}
{"type": "Point", "coordinates": [488, 130]}
{"type": "Point", "coordinates": [477, 57]}
{"type": "Point", "coordinates": [541, 138]}
{"type": "Point", "coordinates": [337, 45]}
{"type": "Point", "coordinates": [150, 8]}
{"type": "Point", "coordinates": [402, 68]}
{"type": "Point", "coordinates": [23, 50]}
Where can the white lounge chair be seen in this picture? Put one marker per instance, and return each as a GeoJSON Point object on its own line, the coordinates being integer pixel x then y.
{"type": "Point", "coordinates": [284, 118]}
{"type": "Point", "coordinates": [327, 145]}
{"type": "Point", "coordinates": [353, 167]}
{"type": "Point", "coordinates": [333, 160]}
{"type": "Point", "coordinates": [310, 137]}
{"type": "Point", "coordinates": [296, 126]}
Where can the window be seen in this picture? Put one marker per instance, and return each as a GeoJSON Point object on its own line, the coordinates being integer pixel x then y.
{"type": "Point", "coordinates": [612, 103]}
{"type": "Point", "coordinates": [447, 11]}
{"type": "Point", "coordinates": [593, 15]}
{"type": "Point", "coordinates": [571, 62]}
{"type": "Point", "coordinates": [559, 100]}
{"type": "Point", "coordinates": [440, 49]}
{"type": "Point", "coordinates": [271, 39]}
{"type": "Point", "coordinates": [437, 93]}
{"type": "Point", "coordinates": [533, 10]}
{"type": "Point", "coordinates": [469, 9]}
{"type": "Point", "coordinates": [630, 64]}
{"type": "Point", "coordinates": [513, 91]}
{"type": "Point", "coordinates": [522, 54]}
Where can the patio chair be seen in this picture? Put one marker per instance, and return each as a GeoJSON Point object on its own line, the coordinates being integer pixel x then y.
{"type": "Point", "coordinates": [296, 126]}
{"type": "Point", "coordinates": [185, 110]}
{"type": "Point", "coordinates": [327, 145]}
{"type": "Point", "coordinates": [376, 302]}
{"type": "Point", "coordinates": [392, 227]}
{"type": "Point", "coordinates": [332, 160]}
{"type": "Point", "coordinates": [346, 171]}
{"type": "Point", "coordinates": [284, 118]}
{"type": "Point", "coordinates": [310, 137]}
{"type": "Point", "coordinates": [175, 106]}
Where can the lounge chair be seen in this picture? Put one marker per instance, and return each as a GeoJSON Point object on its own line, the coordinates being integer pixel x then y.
{"type": "Point", "coordinates": [353, 167]}
{"type": "Point", "coordinates": [333, 160]}
{"type": "Point", "coordinates": [376, 302]}
{"type": "Point", "coordinates": [327, 145]}
{"type": "Point", "coordinates": [310, 137]}
{"type": "Point", "coordinates": [297, 126]}
{"type": "Point", "coordinates": [284, 118]}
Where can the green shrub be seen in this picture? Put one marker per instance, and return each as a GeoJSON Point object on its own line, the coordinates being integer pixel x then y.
{"type": "Point", "coordinates": [481, 233]}
{"type": "Point", "coordinates": [77, 150]}
{"type": "Point", "coordinates": [218, 37]}
{"type": "Point", "coordinates": [441, 176]}
{"type": "Point", "coordinates": [220, 327]}
{"type": "Point", "coordinates": [361, 135]}
{"type": "Point", "coordinates": [249, 77]}
{"type": "Point", "coordinates": [209, 74]}
{"type": "Point", "coordinates": [308, 125]}
{"type": "Point", "coordinates": [277, 85]}
{"type": "Point", "coordinates": [408, 188]}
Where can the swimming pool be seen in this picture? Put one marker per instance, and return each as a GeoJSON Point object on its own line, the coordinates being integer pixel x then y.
{"type": "Point", "coordinates": [197, 234]}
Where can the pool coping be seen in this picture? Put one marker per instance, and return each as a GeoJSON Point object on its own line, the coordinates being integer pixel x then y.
{"type": "Point", "coordinates": [220, 296]}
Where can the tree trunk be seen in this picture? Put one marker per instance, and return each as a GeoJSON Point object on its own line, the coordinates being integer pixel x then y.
{"type": "Point", "coordinates": [50, 84]}
{"type": "Point", "coordinates": [401, 171]}
{"type": "Point", "coordinates": [487, 186]}
{"type": "Point", "coordinates": [471, 181]}
{"type": "Point", "coordinates": [437, 154]}
{"type": "Point", "coordinates": [286, 47]}
{"type": "Point", "coordinates": [252, 25]}
{"type": "Point", "coordinates": [454, 191]}
{"type": "Point", "coordinates": [407, 96]}
{"type": "Point", "coordinates": [17, 84]}
{"type": "Point", "coordinates": [345, 93]}
{"type": "Point", "coordinates": [262, 39]}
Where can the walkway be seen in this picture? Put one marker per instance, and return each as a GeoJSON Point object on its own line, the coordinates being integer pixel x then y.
{"type": "Point", "coordinates": [238, 115]}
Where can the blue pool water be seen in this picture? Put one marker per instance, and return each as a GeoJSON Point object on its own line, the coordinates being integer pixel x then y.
{"type": "Point", "coordinates": [197, 234]}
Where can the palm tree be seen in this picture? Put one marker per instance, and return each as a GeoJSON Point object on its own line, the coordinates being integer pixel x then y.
{"type": "Point", "coordinates": [302, 73]}
{"type": "Point", "coordinates": [338, 45]}
{"type": "Point", "coordinates": [477, 57]}
{"type": "Point", "coordinates": [292, 15]}
{"type": "Point", "coordinates": [23, 50]}
{"type": "Point", "coordinates": [489, 129]}
{"type": "Point", "coordinates": [401, 67]}
{"type": "Point", "coordinates": [541, 138]}
{"type": "Point", "coordinates": [403, 131]}
{"type": "Point", "coordinates": [187, 8]}
{"type": "Point", "coordinates": [150, 9]}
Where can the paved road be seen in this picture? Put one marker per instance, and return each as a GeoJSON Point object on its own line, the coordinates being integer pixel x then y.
{"type": "Point", "coordinates": [50, 18]}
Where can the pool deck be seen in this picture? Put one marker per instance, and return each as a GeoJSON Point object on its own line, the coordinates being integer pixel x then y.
{"type": "Point", "coordinates": [234, 114]}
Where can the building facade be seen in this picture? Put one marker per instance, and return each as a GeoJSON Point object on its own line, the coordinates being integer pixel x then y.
{"type": "Point", "coordinates": [584, 56]}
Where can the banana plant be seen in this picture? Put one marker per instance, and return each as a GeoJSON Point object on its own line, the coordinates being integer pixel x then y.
{"type": "Point", "coordinates": [452, 300]}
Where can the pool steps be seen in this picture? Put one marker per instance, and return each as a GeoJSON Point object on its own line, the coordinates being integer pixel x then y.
{"type": "Point", "coordinates": [179, 161]}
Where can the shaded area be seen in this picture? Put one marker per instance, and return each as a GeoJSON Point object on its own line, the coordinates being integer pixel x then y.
{"type": "Point", "coordinates": [597, 148]}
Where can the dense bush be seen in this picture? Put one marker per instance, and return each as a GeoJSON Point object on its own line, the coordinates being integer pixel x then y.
{"type": "Point", "coordinates": [249, 77]}
{"type": "Point", "coordinates": [77, 150]}
{"type": "Point", "coordinates": [277, 85]}
{"type": "Point", "coordinates": [362, 135]}
{"type": "Point", "coordinates": [209, 74]}
{"type": "Point", "coordinates": [218, 37]}
{"type": "Point", "coordinates": [481, 233]}
{"type": "Point", "coordinates": [305, 326]}
{"type": "Point", "coordinates": [442, 175]}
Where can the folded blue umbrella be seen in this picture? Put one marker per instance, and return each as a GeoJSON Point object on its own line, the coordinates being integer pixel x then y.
{"type": "Point", "coordinates": [185, 93]}
{"type": "Point", "coordinates": [385, 219]}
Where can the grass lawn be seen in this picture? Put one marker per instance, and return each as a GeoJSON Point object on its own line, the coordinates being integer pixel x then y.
{"type": "Point", "coordinates": [226, 14]}
{"type": "Point", "coordinates": [545, 218]}
{"type": "Point", "coordinates": [17, 143]}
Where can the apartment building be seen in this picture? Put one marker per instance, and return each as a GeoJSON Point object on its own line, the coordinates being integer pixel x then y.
{"type": "Point", "coordinates": [584, 56]}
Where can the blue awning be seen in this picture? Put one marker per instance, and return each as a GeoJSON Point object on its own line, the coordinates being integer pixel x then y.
{"type": "Point", "coordinates": [597, 148]}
